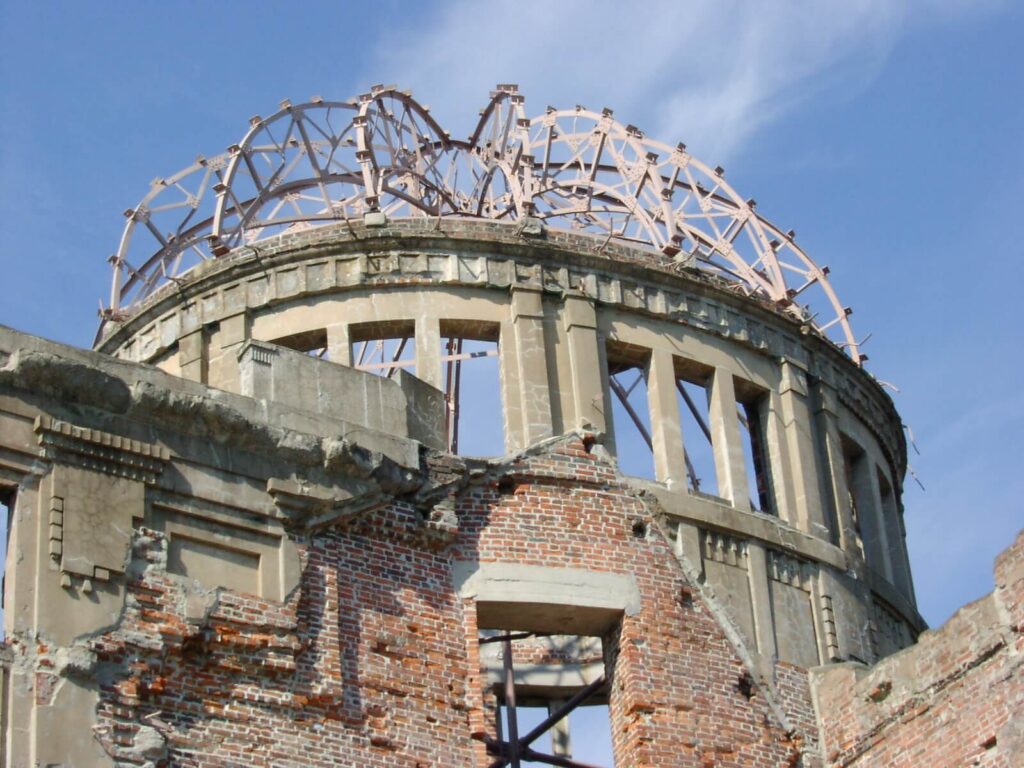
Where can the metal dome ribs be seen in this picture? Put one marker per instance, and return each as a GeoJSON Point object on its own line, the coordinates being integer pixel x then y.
{"type": "Point", "coordinates": [578, 170]}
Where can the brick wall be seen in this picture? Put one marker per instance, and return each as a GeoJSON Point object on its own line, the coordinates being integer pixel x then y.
{"type": "Point", "coordinates": [680, 693]}
{"type": "Point", "coordinates": [954, 699]}
{"type": "Point", "coordinates": [373, 660]}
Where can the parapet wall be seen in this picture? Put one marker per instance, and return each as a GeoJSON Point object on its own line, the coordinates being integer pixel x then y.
{"type": "Point", "coordinates": [954, 698]}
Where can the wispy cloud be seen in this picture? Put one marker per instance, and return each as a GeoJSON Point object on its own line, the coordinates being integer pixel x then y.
{"type": "Point", "coordinates": [711, 74]}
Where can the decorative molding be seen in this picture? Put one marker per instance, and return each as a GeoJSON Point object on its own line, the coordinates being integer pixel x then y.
{"type": "Point", "coordinates": [828, 615]}
{"type": "Point", "coordinates": [789, 570]}
{"type": "Point", "coordinates": [100, 451]}
{"type": "Point", "coordinates": [294, 267]}
{"type": "Point", "coordinates": [723, 548]}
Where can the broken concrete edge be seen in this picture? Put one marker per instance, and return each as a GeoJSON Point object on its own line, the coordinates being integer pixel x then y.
{"type": "Point", "coordinates": [974, 634]}
{"type": "Point", "coordinates": [98, 385]}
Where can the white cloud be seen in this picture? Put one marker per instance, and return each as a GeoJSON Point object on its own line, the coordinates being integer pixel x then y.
{"type": "Point", "coordinates": [710, 74]}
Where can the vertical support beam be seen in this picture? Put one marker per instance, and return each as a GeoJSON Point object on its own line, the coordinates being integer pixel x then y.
{"type": "Point", "coordinates": [824, 626]}
{"type": "Point", "coordinates": [796, 421]}
{"type": "Point", "coordinates": [687, 545]}
{"type": "Point", "coordinates": [339, 344]}
{"type": "Point", "coordinates": [531, 374]}
{"type": "Point", "coordinates": [761, 603]}
{"type": "Point", "coordinates": [897, 550]}
{"type": "Point", "coordinates": [589, 395]}
{"type": "Point", "coordinates": [878, 538]}
{"type": "Point", "coordinates": [775, 456]}
{"type": "Point", "coordinates": [428, 351]}
{"type": "Point", "coordinates": [223, 348]}
{"type": "Point", "coordinates": [726, 440]}
{"type": "Point", "coordinates": [510, 706]}
{"type": "Point", "coordinates": [193, 355]}
{"type": "Point", "coordinates": [561, 743]}
{"type": "Point", "coordinates": [666, 433]}
{"type": "Point", "coordinates": [828, 419]}
{"type": "Point", "coordinates": [909, 592]}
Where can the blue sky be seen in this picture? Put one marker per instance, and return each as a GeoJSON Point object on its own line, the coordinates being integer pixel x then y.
{"type": "Point", "coordinates": [889, 135]}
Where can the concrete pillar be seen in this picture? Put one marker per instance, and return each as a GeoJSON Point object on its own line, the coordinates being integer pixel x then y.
{"type": "Point", "coordinates": [561, 743]}
{"type": "Point", "coordinates": [666, 433]}
{"type": "Point", "coordinates": [776, 456]}
{"type": "Point", "coordinates": [824, 626]}
{"type": "Point", "coordinates": [531, 385]}
{"type": "Point", "coordinates": [895, 545]}
{"type": "Point", "coordinates": [339, 344]}
{"type": "Point", "coordinates": [589, 398]}
{"type": "Point", "coordinates": [796, 421]}
{"type": "Point", "coordinates": [726, 440]}
{"type": "Point", "coordinates": [835, 465]}
{"type": "Point", "coordinates": [761, 602]}
{"type": "Point", "coordinates": [193, 356]}
{"type": "Point", "coordinates": [428, 351]}
{"type": "Point", "coordinates": [874, 529]}
{"type": "Point", "coordinates": [223, 349]}
{"type": "Point", "coordinates": [687, 544]}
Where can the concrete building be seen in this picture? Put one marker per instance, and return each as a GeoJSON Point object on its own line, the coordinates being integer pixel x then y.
{"type": "Point", "coordinates": [245, 530]}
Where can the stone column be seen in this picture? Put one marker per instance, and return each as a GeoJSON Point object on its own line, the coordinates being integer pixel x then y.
{"type": "Point", "coordinates": [797, 422]}
{"type": "Point", "coordinates": [561, 744]}
{"type": "Point", "coordinates": [193, 356]}
{"type": "Point", "coordinates": [588, 396]}
{"type": "Point", "coordinates": [339, 344]}
{"type": "Point", "coordinates": [223, 352]}
{"type": "Point", "coordinates": [726, 440]}
{"type": "Point", "coordinates": [761, 603]}
{"type": "Point", "coordinates": [828, 421]}
{"type": "Point", "coordinates": [666, 433]}
{"type": "Point", "coordinates": [874, 528]}
{"type": "Point", "coordinates": [428, 351]}
{"type": "Point", "coordinates": [531, 374]}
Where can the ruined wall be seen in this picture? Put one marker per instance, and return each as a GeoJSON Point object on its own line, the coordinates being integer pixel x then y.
{"type": "Point", "coordinates": [199, 583]}
{"type": "Point", "coordinates": [955, 698]}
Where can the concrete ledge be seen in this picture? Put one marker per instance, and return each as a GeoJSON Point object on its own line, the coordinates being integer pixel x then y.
{"type": "Point", "coordinates": [770, 530]}
{"type": "Point", "coordinates": [538, 599]}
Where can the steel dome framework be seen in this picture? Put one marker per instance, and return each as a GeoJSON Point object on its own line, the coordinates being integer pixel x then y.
{"type": "Point", "coordinates": [329, 161]}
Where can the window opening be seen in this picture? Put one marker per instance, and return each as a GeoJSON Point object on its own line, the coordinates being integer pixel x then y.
{"type": "Point", "coordinates": [383, 348]}
{"type": "Point", "coordinates": [854, 460]}
{"type": "Point", "coordinates": [627, 381]}
{"type": "Point", "coordinates": [312, 343]}
{"type": "Point", "coordinates": [520, 722]}
{"type": "Point", "coordinates": [752, 417]}
{"type": "Point", "coordinates": [470, 370]}
{"type": "Point", "coordinates": [698, 452]}
{"type": "Point", "coordinates": [6, 518]}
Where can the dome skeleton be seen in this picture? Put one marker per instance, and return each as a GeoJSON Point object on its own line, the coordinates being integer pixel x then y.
{"type": "Point", "coordinates": [327, 161]}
